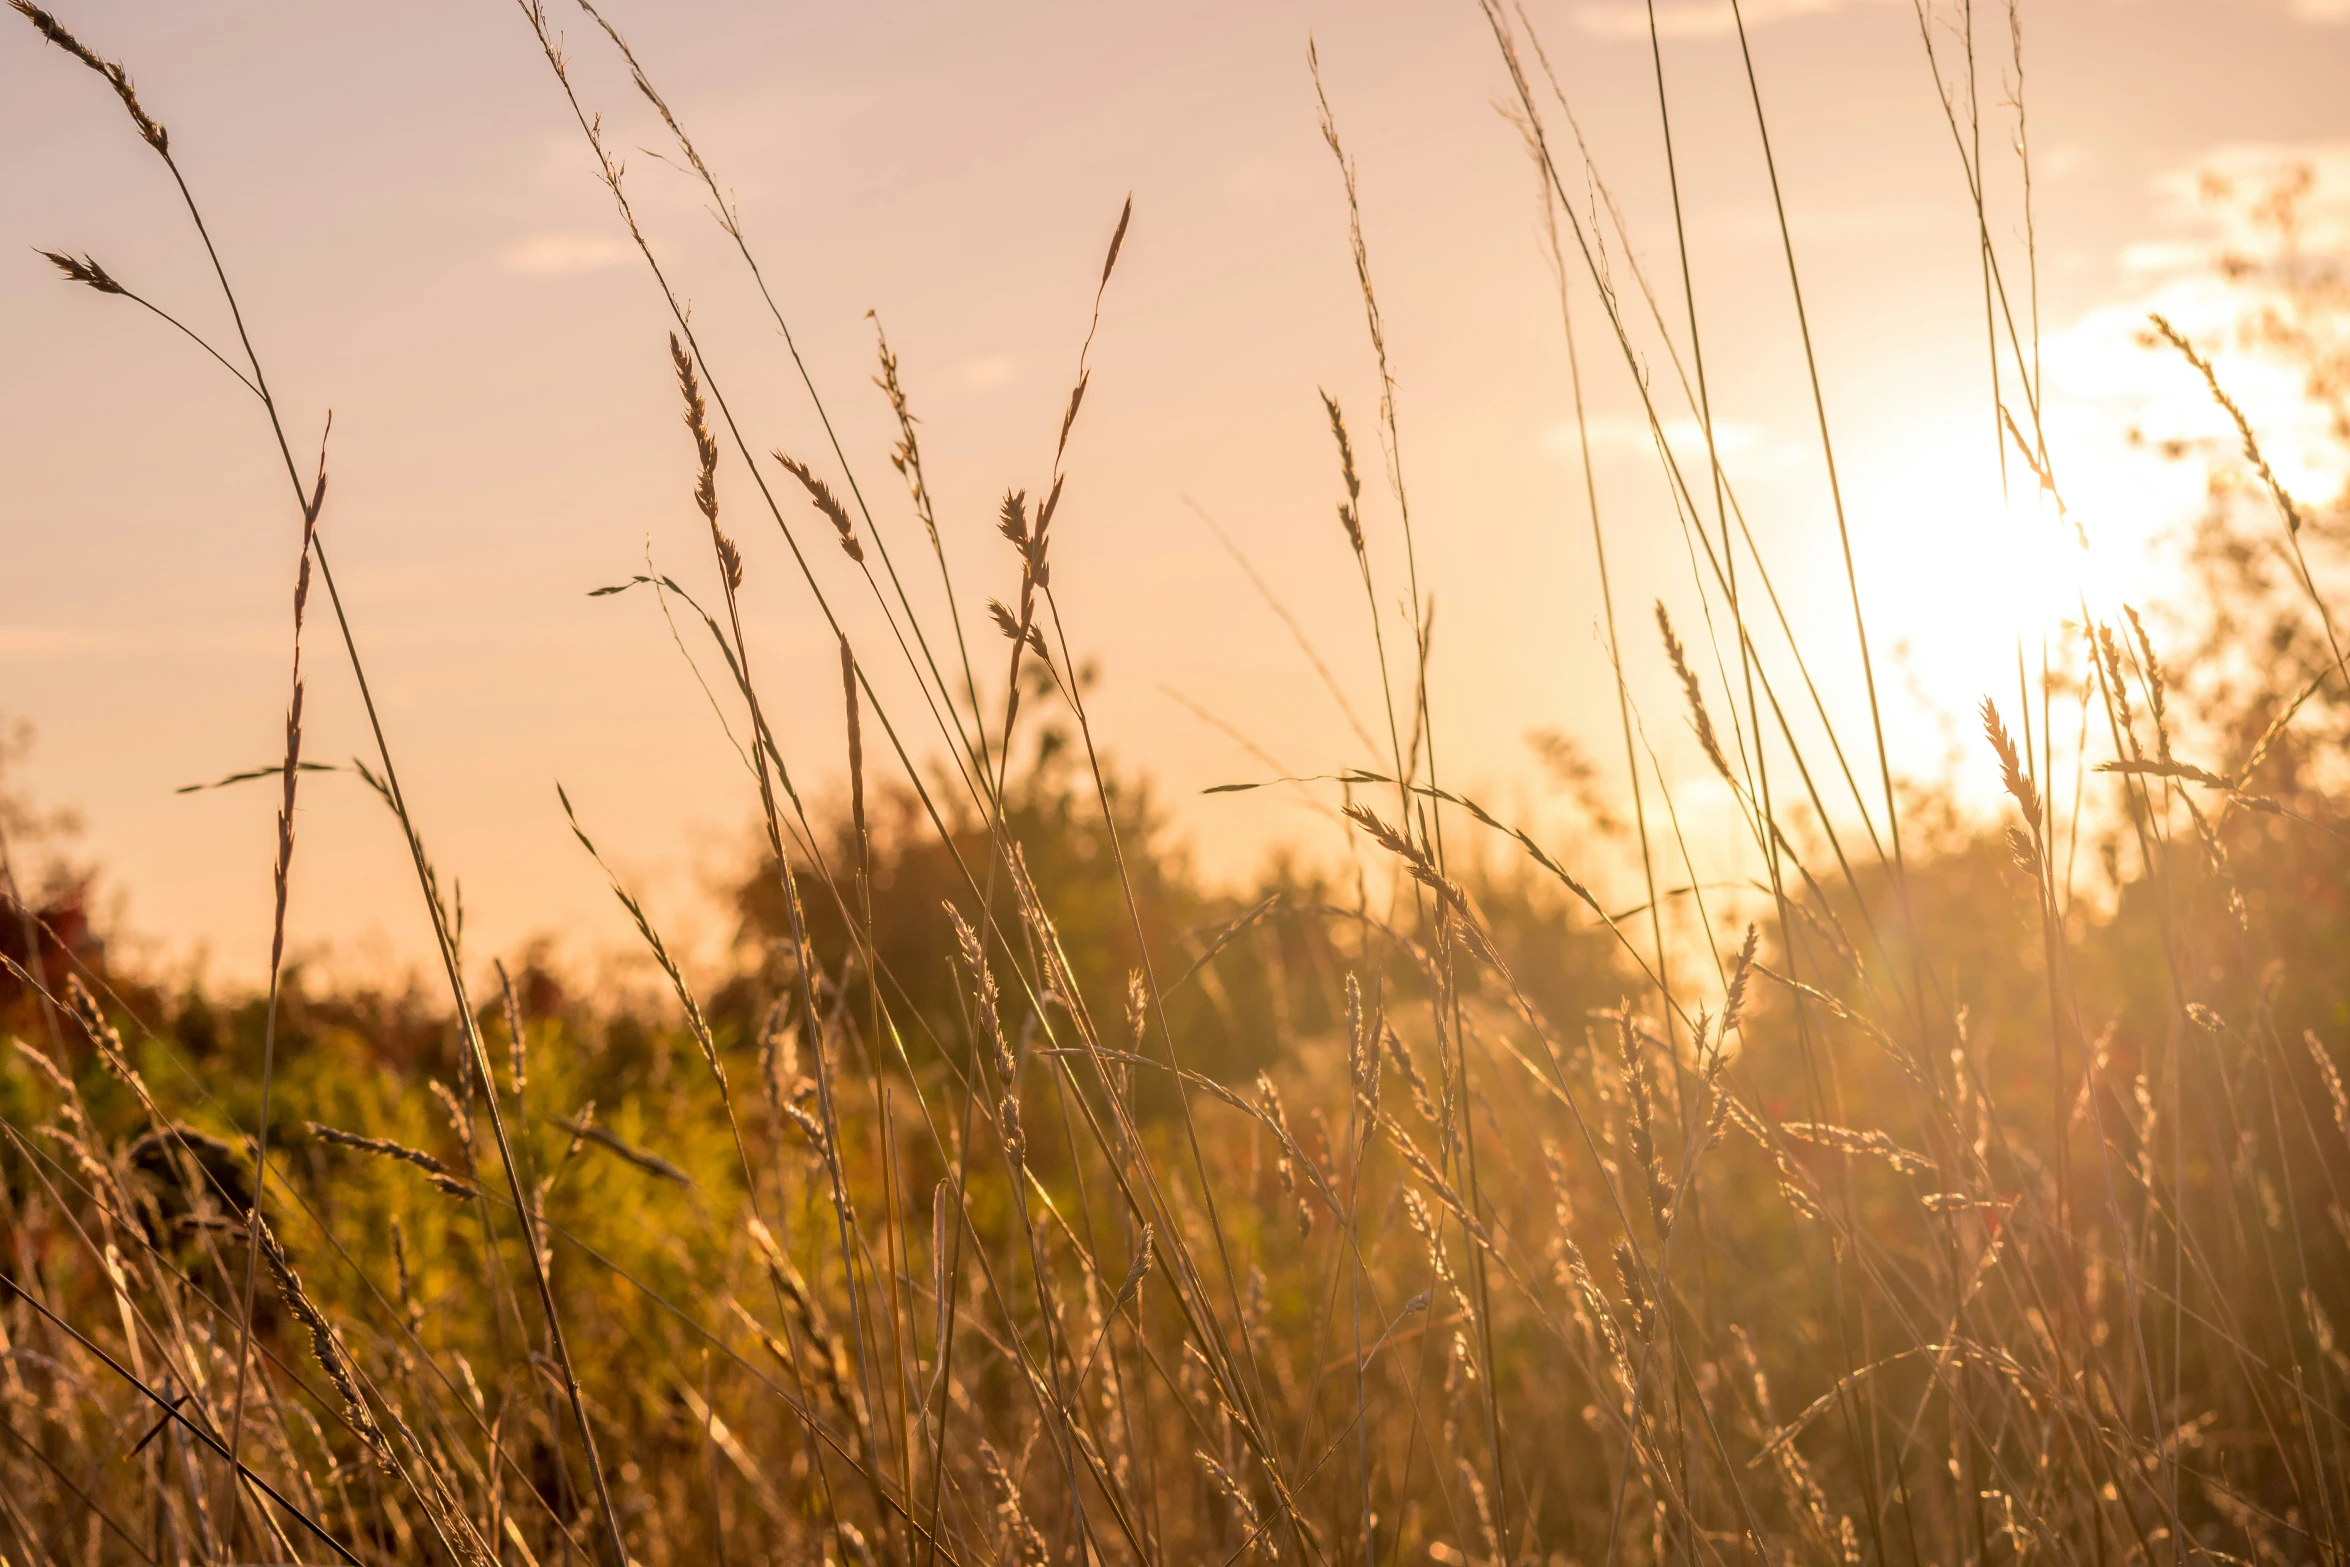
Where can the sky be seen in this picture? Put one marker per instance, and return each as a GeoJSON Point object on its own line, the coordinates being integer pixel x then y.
{"type": "Point", "coordinates": [416, 232]}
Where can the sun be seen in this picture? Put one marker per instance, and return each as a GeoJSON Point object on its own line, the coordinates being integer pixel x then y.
{"type": "Point", "coordinates": [1975, 574]}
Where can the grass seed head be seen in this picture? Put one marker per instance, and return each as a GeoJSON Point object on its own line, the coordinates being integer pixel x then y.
{"type": "Point", "coordinates": [325, 1343]}
{"type": "Point", "coordinates": [116, 77]}
{"type": "Point", "coordinates": [1694, 694]}
{"type": "Point", "coordinates": [820, 493]}
{"type": "Point", "coordinates": [2012, 776]}
{"type": "Point", "coordinates": [1350, 516]}
{"type": "Point", "coordinates": [85, 271]}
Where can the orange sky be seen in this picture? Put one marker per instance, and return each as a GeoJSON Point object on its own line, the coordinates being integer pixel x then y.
{"type": "Point", "coordinates": [422, 247]}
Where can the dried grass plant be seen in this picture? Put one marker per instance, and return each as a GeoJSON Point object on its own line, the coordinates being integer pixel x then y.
{"type": "Point", "coordinates": [1014, 1204]}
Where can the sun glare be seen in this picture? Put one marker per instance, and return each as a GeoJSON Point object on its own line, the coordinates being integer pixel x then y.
{"type": "Point", "coordinates": [969, 1102]}
{"type": "Point", "coordinates": [1985, 567]}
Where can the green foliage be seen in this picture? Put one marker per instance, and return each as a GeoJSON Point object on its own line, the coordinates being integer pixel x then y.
{"type": "Point", "coordinates": [1025, 1199]}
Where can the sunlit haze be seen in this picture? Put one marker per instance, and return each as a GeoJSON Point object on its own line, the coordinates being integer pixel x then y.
{"type": "Point", "coordinates": [416, 228]}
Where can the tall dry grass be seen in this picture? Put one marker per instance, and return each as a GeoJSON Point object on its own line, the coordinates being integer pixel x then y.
{"type": "Point", "coordinates": [1952, 1215]}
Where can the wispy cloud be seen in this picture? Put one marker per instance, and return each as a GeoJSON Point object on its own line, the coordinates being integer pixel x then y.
{"type": "Point", "coordinates": [1630, 434]}
{"type": "Point", "coordinates": [563, 255]}
{"type": "Point", "coordinates": [44, 641]}
{"type": "Point", "coordinates": [2207, 271]}
{"type": "Point", "coordinates": [986, 371]}
{"type": "Point", "coordinates": [1878, 220]}
{"type": "Point", "coordinates": [1710, 18]}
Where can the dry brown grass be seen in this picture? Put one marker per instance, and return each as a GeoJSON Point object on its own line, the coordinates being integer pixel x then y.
{"type": "Point", "coordinates": [1948, 1217]}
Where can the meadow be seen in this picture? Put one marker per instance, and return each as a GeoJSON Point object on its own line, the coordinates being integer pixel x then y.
{"type": "Point", "coordinates": [1966, 1188]}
